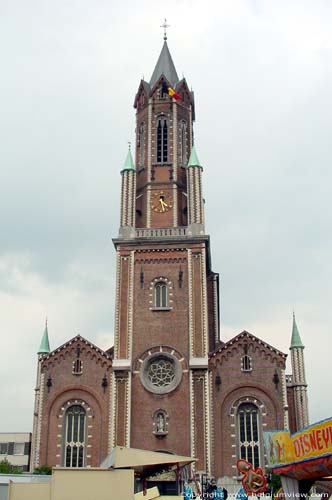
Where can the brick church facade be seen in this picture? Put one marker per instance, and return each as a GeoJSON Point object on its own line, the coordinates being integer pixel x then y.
{"type": "Point", "coordinates": [169, 383]}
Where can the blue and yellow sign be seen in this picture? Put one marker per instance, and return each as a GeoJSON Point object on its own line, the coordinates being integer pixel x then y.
{"type": "Point", "coordinates": [314, 441]}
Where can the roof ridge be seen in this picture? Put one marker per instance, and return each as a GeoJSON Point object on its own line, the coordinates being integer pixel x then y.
{"type": "Point", "coordinates": [227, 344]}
{"type": "Point", "coordinates": [78, 337]}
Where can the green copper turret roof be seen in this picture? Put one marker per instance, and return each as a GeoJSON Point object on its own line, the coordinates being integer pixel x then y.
{"type": "Point", "coordinates": [45, 344]}
{"type": "Point", "coordinates": [165, 66]}
{"type": "Point", "coordinates": [296, 339]}
{"type": "Point", "coordinates": [128, 164]}
{"type": "Point", "coordinates": [193, 160]}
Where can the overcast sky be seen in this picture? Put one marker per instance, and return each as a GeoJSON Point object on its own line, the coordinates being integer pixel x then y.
{"type": "Point", "coordinates": [262, 75]}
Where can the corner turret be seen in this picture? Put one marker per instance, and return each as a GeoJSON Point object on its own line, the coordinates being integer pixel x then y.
{"type": "Point", "coordinates": [128, 205]}
{"type": "Point", "coordinates": [299, 384]}
{"type": "Point", "coordinates": [195, 195]}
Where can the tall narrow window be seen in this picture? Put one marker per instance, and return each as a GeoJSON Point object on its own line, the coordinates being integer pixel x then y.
{"type": "Point", "coordinates": [75, 436]}
{"type": "Point", "coordinates": [162, 140]}
{"type": "Point", "coordinates": [248, 432]}
{"type": "Point", "coordinates": [246, 363]}
{"type": "Point", "coordinates": [183, 143]}
{"type": "Point", "coordinates": [141, 144]}
{"type": "Point", "coordinates": [77, 367]}
{"type": "Point", "coordinates": [161, 294]}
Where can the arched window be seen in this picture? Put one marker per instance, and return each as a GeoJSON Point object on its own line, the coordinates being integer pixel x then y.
{"type": "Point", "coordinates": [183, 143]}
{"type": "Point", "coordinates": [246, 365]}
{"type": "Point", "coordinates": [161, 294]}
{"type": "Point", "coordinates": [74, 437]}
{"type": "Point", "coordinates": [162, 140]}
{"type": "Point", "coordinates": [77, 367]}
{"type": "Point", "coordinates": [248, 427]}
{"type": "Point", "coordinates": [141, 144]}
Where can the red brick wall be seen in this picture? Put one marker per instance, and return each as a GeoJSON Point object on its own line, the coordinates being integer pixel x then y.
{"type": "Point", "coordinates": [68, 387]}
{"type": "Point", "coordinates": [236, 385]}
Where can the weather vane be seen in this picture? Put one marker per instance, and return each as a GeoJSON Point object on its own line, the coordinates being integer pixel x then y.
{"type": "Point", "coordinates": [165, 26]}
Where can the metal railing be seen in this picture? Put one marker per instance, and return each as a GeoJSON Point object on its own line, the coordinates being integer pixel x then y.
{"type": "Point", "coordinates": [160, 232]}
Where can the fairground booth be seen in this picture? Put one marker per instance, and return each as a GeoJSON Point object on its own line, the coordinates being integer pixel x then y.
{"type": "Point", "coordinates": [301, 459]}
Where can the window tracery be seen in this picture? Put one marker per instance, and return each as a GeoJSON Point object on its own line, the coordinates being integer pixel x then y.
{"type": "Point", "coordinates": [77, 367]}
{"type": "Point", "coordinates": [162, 140]}
{"type": "Point", "coordinates": [74, 445]}
{"type": "Point", "coordinates": [248, 427]}
{"type": "Point", "coordinates": [161, 295]}
{"type": "Point", "coordinates": [161, 372]}
{"type": "Point", "coordinates": [246, 364]}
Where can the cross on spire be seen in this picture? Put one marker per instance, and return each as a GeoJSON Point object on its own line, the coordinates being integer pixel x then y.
{"type": "Point", "coordinates": [165, 26]}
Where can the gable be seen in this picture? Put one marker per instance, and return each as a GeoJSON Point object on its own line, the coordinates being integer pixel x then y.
{"type": "Point", "coordinates": [247, 341]}
{"type": "Point", "coordinates": [70, 347]}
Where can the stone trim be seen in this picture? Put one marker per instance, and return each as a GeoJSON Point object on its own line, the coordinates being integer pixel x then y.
{"type": "Point", "coordinates": [88, 430]}
{"type": "Point", "coordinates": [52, 355]}
{"type": "Point", "coordinates": [207, 396]}
{"type": "Point", "coordinates": [169, 358]}
{"type": "Point", "coordinates": [226, 348]}
{"type": "Point", "coordinates": [130, 304]}
{"type": "Point", "coordinates": [111, 414]}
{"type": "Point", "coordinates": [167, 349]}
{"type": "Point", "coordinates": [284, 399]}
{"type": "Point", "coordinates": [192, 421]}
{"type": "Point", "coordinates": [233, 425]}
{"type": "Point", "coordinates": [204, 304]}
{"type": "Point", "coordinates": [190, 305]}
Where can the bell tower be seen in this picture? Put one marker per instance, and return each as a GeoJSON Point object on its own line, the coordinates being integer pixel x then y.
{"type": "Point", "coordinates": [164, 138]}
{"type": "Point", "coordinates": [166, 318]}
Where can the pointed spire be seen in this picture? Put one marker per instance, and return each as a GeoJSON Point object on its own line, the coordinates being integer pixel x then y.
{"type": "Point", "coordinates": [45, 344]}
{"type": "Point", "coordinates": [165, 66]}
{"type": "Point", "coordinates": [193, 160]}
{"type": "Point", "coordinates": [128, 164]}
{"type": "Point", "coordinates": [296, 339]}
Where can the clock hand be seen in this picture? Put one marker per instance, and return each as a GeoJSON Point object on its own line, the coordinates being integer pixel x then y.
{"type": "Point", "coordinates": [163, 204]}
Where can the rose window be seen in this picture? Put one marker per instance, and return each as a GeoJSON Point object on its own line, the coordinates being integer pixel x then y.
{"type": "Point", "coordinates": [161, 372]}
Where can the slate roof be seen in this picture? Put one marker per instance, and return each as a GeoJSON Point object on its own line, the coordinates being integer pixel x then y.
{"type": "Point", "coordinates": [165, 66]}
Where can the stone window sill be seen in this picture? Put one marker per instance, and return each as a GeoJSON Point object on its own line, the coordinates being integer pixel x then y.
{"type": "Point", "coordinates": [160, 309]}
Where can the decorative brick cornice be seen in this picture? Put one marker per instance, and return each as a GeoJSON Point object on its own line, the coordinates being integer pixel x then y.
{"type": "Point", "coordinates": [53, 355]}
{"type": "Point", "coordinates": [229, 346]}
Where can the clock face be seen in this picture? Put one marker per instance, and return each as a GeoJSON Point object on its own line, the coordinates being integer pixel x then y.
{"type": "Point", "coordinates": [161, 202]}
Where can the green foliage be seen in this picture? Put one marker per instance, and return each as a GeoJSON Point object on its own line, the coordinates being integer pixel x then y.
{"type": "Point", "coordinates": [274, 483]}
{"type": "Point", "coordinates": [43, 470]}
{"type": "Point", "coordinates": [7, 468]}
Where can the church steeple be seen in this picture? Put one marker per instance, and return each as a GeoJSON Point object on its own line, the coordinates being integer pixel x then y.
{"type": "Point", "coordinates": [164, 66]}
{"type": "Point", "coordinates": [166, 293]}
{"type": "Point", "coordinates": [164, 138]}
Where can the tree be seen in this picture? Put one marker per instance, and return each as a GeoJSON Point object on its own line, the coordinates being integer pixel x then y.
{"type": "Point", "coordinates": [43, 470]}
{"type": "Point", "coordinates": [274, 483]}
{"type": "Point", "coordinates": [7, 468]}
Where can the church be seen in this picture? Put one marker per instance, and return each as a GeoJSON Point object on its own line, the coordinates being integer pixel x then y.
{"type": "Point", "coordinates": [169, 383]}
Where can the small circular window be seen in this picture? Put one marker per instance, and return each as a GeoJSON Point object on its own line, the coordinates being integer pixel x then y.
{"type": "Point", "coordinates": [161, 373]}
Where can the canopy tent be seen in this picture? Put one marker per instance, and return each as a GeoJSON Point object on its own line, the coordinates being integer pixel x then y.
{"type": "Point", "coordinates": [144, 462]}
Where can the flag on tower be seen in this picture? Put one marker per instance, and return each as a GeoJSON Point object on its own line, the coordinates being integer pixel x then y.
{"type": "Point", "coordinates": [170, 91]}
{"type": "Point", "coordinates": [173, 94]}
